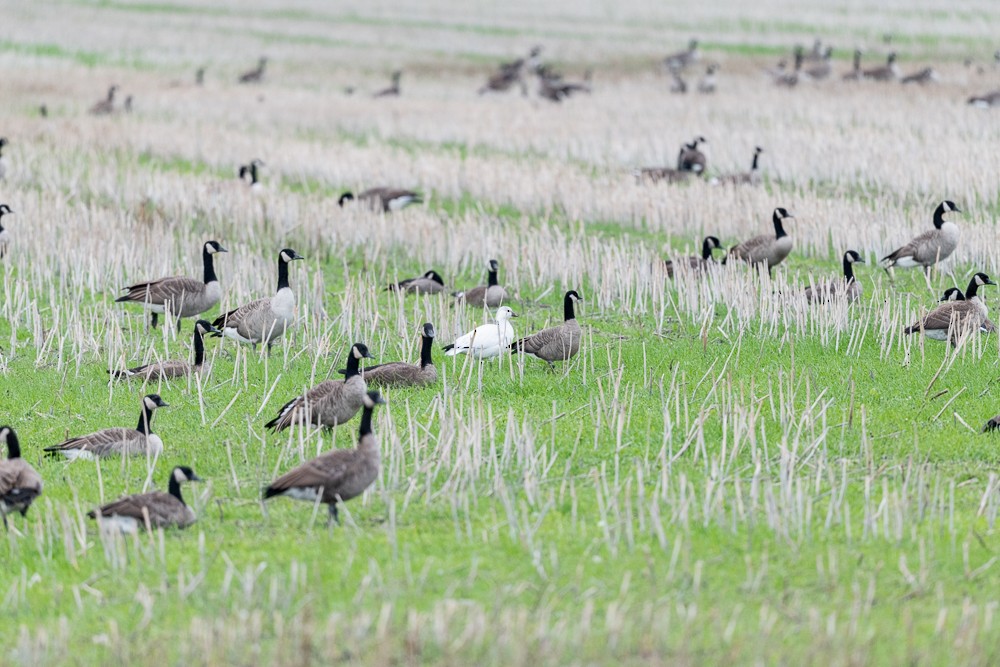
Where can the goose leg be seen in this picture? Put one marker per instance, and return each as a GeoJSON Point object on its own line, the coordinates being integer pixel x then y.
{"type": "Point", "coordinates": [334, 514]}
{"type": "Point", "coordinates": [178, 324]}
{"type": "Point", "coordinates": [154, 320]}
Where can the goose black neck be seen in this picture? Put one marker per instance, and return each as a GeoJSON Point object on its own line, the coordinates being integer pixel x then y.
{"type": "Point", "coordinates": [145, 420]}
{"type": "Point", "coordinates": [971, 293]}
{"type": "Point", "coordinates": [848, 270]}
{"type": "Point", "coordinates": [939, 217]}
{"type": "Point", "coordinates": [706, 254]}
{"type": "Point", "coordinates": [253, 174]}
{"type": "Point", "coordinates": [282, 274]}
{"type": "Point", "coordinates": [491, 279]}
{"type": "Point", "coordinates": [13, 446]}
{"type": "Point", "coordinates": [353, 366]}
{"type": "Point", "coordinates": [753, 165]}
{"type": "Point", "coordinates": [568, 313]}
{"type": "Point", "coordinates": [425, 352]}
{"type": "Point", "coordinates": [779, 229]}
{"type": "Point", "coordinates": [366, 422]}
{"type": "Point", "coordinates": [199, 348]}
{"type": "Point", "coordinates": [209, 263]}
{"type": "Point", "coordinates": [175, 489]}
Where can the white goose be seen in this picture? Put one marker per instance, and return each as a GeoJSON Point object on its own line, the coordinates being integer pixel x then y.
{"type": "Point", "coordinates": [486, 341]}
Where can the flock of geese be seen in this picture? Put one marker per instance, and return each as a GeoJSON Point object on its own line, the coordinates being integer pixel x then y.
{"type": "Point", "coordinates": [336, 476]}
{"type": "Point", "coordinates": [340, 475]}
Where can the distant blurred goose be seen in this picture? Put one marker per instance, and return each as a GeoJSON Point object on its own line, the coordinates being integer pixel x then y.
{"type": "Point", "coordinates": [751, 177]}
{"type": "Point", "coordinates": [393, 89]}
{"type": "Point", "coordinates": [107, 105]}
{"type": "Point", "coordinates": [486, 341]}
{"type": "Point", "coordinates": [429, 283]}
{"type": "Point", "coordinates": [985, 101]}
{"type": "Point", "coordinates": [248, 174]}
{"type": "Point", "coordinates": [682, 59]}
{"type": "Point", "coordinates": [118, 441]}
{"type": "Point", "coordinates": [690, 157]}
{"type": "Point", "coordinates": [848, 286]}
{"type": "Point", "coordinates": [150, 510]}
{"type": "Point", "coordinates": [924, 76]}
{"type": "Point", "coordinates": [4, 163]}
{"type": "Point", "coordinates": [856, 73]}
{"type": "Point", "coordinates": [384, 199]}
{"type": "Point", "coordinates": [19, 483]}
{"type": "Point", "coordinates": [4, 234]}
{"type": "Point", "coordinates": [255, 75]}
{"type": "Point", "coordinates": [706, 85]}
{"type": "Point", "coordinates": [887, 72]}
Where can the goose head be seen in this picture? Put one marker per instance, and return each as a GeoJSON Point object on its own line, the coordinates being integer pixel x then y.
{"type": "Point", "coordinates": [213, 247]}
{"type": "Point", "coordinates": [205, 327]}
{"type": "Point", "coordinates": [505, 313]}
{"type": "Point", "coordinates": [153, 401]}
{"type": "Point", "coordinates": [288, 255]}
{"type": "Point", "coordinates": [360, 351]}
{"type": "Point", "coordinates": [373, 398]}
{"type": "Point", "coordinates": [183, 474]}
{"type": "Point", "coordinates": [429, 330]}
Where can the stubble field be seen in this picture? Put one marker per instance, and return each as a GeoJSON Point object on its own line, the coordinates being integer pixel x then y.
{"type": "Point", "coordinates": [725, 473]}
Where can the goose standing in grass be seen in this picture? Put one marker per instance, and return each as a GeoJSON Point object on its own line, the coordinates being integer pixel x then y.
{"type": "Point", "coordinates": [330, 403]}
{"type": "Point", "coordinates": [3, 160]}
{"type": "Point", "coordinates": [118, 441]}
{"type": "Point", "coordinates": [691, 158]}
{"type": "Point", "coordinates": [172, 368]}
{"type": "Point", "coordinates": [985, 101]}
{"type": "Point", "coordinates": [856, 74]}
{"type": "Point", "coordinates": [383, 199]}
{"type": "Point", "coordinates": [696, 263]}
{"type": "Point", "coordinates": [255, 75]}
{"type": "Point", "coordinates": [401, 373]}
{"type": "Point", "coordinates": [953, 319]}
{"type": "Point", "coordinates": [248, 174]}
{"type": "Point", "coordinates": [178, 295]}
{"type": "Point", "coordinates": [107, 105]}
{"type": "Point", "coordinates": [429, 283]}
{"type": "Point", "coordinates": [486, 341]}
{"type": "Point", "coordinates": [681, 59]}
{"type": "Point", "coordinates": [19, 483]}
{"type": "Point", "coordinates": [766, 249]}
{"type": "Point", "coordinates": [751, 177]}
{"type": "Point", "coordinates": [393, 89]}
{"type": "Point", "coordinates": [337, 476]}
{"type": "Point", "coordinates": [822, 69]}
{"type": "Point", "coordinates": [489, 295]}
{"type": "Point", "coordinates": [150, 510]}
{"type": "Point", "coordinates": [887, 72]}
{"type": "Point", "coordinates": [848, 285]}
{"type": "Point", "coordinates": [558, 343]}
{"type": "Point", "coordinates": [4, 234]}
{"type": "Point", "coordinates": [263, 320]}
{"type": "Point", "coordinates": [931, 247]}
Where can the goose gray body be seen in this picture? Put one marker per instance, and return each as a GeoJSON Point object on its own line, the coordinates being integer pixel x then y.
{"type": "Point", "coordinates": [558, 343]}
{"type": "Point", "coordinates": [695, 263]}
{"type": "Point", "coordinates": [769, 249]}
{"type": "Point", "coordinates": [401, 373]}
{"type": "Point", "coordinates": [330, 403]}
{"type": "Point", "coordinates": [922, 77]}
{"type": "Point", "coordinates": [953, 319]}
{"type": "Point", "coordinates": [887, 72]}
{"type": "Point", "coordinates": [682, 59]}
{"type": "Point", "coordinates": [20, 484]}
{"type": "Point", "coordinates": [263, 320]}
{"type": "Point", "coordinates": [751, 177]}
{"type": "Point", "coordinates": [847, 286]}
{"type": "Point", "coordinates": [140, 441]}
{"type": "Point", "coordinates": [384, 199]}
{"type": "Point", "coordinates": [177, 295]}
{"type": "Point", "coordinates": [491, 295]}
{"type": "Point", "coordinates": [429, 283]}
{"type": "Point", "coordinates": [153, 510]}
{"type": "Point", "coordinates": [663, 174]}
{"type": "Point", "coordinates": [107, 105]}
{"type": "Point", "coordinates": [985, 101]}
{"type": "Point", "coordinates": [691, 158]}
{"type": "Point", "coordinates": [336, 476]}
{"type": "Point", "coordinates": [256, 75]}
{"type": "Point", "coordinates": [172, 368]}
{"type": "Point", "coordinates": [930, 247]}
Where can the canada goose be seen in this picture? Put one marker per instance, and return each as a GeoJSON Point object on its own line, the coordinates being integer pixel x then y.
{"type": "Point", "coordinates": [4, 234]}
{"type": "Point", "coordinates": [796, 76]}
{"type": "Point", "coordinates": [766, 249]}
{"type": "Point", "coordinates": [140, 441]}
{"type": "Point", "coordinates": [985, 101]}
{"type": "Point", "coordinates": [558, 343]}
{"type": "Point", "coordinates": [172, 368]}
{"type": "Point", "coordinates": [822, 69]}
{"type": "Point", "coordinates": [393, 89]}
{"type": "Point", "coordinates": [930, 247]}
{"type": "Point", "coordinates": [486, 341]}
{"type": "Point", "coordinates": [255, 75]}
{"type": "Point", "coordinates": [887, 72]}
{"type": "Point", "coordinates": [384, 199]}
{"type": "Point", "coordinates": [3, 160]}
{"type": "Point", "coordinates": [817, 52]}
{"type": "Point", "coordinates": [429, 283]}
{"type": "Point", "coordinates": [107, 105]}
{"type": "Point", "coordinates": [848, 286]}
{"type": "Point", "coordinates": [180, 296]}
{"type": "Point", "coordinates": [690, 158]}
{"type": "Point", "coordinates": [503, 80]}
{"type": "Point", "coordinates": [924, 76]}
{"type": "Point", "coordinates": [19, 483]}
{"type": "Point", "coordinates": [402, 374]}
{"type": "Point", "coordinates": [751, 177]}
{"type": "Point", "coordinates": [955, 294]}
{"type": "Point", "coordinates": [249, 171]}
{"type": "Point", "coordinates": [150, 510]}
{"type": "Point", "coordinates": [706, 85]}
{"type": "Point", "coordinates": [490, 295]}
{"type": "Point", "coordinates": [331, 402]}
{"type": "Point", "coordinates": [855, 74]}
{"type": "Point", "coordinates": [679, 86]}
{"type": "Point", "coordinates": [337, 476]}
{"type": "Point", "coordinates": [664, 174]}
{"type": "Point", "coordinates": [696, 263]}
{"type": "Point", "coordinates": [263, 320]}
{"type": "Point", "coordinates": [558, 90]}
{"type": "Point", "coordinates": [952, 319]}
{"type": "Point", "coordinates": [682, 59]}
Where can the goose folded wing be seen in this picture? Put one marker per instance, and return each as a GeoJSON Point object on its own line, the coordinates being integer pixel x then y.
{"type": "Point", "coordinates": [327, 471]}
{"type": "Point", "coordinates": [242, 318]}
{"type": "Point", "coordinates": [18, 481]}
{"type": "Point", "coordinates": [291, 411]}
{"type": "Point", "coordinates": [161, 508]}
{"type": "Point", "coordinates": [103, 443]}
{"type": "Point", "coordinates": [747, 249]}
